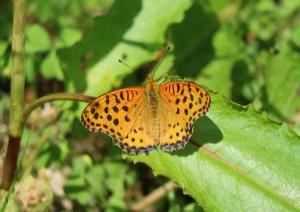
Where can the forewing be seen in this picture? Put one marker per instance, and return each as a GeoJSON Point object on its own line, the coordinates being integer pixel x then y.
{"type": "Point", "coordinates": [119, 114]}
{"type": "Point", "coordinates": [181, 104]}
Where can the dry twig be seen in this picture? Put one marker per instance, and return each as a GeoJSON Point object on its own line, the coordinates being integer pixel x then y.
{"type": "Point", "coordinates": [154, 196]}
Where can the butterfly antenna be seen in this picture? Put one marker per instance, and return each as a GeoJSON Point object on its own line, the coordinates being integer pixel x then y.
{"type": "Point", "coordinates": [125, 64]}
{"type": "Point", "coordinates": [171, 73]}
{"type": "Point", "coordinates": [161, 57]}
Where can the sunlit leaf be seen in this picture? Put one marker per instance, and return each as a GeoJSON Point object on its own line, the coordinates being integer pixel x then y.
{"type": "Point", "coordinates": [242, 161]}
{"type": "Point", "coordinates": [37, 39]}
{"type": "Point", "coordinates": [50, 67]}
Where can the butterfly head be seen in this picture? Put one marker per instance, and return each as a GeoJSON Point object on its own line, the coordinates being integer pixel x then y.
{"type": "Point", "coordinates": [150, 79]}
{"type": "Point", "coordinates": [152, 86]}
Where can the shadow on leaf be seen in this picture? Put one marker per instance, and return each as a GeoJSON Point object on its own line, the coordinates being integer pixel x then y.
{"type": "Point", "coordinates": [205, 131]}
{"type": "Point", "coordinates": [193, 41]}
{"type": "Point", "coordinates": [105, 33]}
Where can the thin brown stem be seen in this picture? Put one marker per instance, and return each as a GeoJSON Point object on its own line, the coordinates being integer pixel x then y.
{"type": "Point", "coordinates": [154, 196]}
{"type": "Point", "coordinates": [11, 159]}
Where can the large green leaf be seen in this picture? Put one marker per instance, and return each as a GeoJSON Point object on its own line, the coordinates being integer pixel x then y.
{"type": "Point", "coordinates": [131, 29]}
{"type": "Point", "coordinates": [240, 161]}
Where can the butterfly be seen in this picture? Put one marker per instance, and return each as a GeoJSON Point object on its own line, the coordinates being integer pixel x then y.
{"type": "Point", "coordinates": [141, 119]}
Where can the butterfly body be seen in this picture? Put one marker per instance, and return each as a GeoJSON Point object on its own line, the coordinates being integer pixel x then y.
{"type": "Point", "coordinates": [140, 119]}
{"type": "Point", "coordinates": [152, 97]}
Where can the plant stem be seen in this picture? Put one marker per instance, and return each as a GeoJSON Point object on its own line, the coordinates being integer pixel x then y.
{"type": "Point", "coordinates": [153, 197]}
{"type": "Point", "coordinates": [14, 142]}
{"type": "Point", "coordinates": [17, 93]}
{"type": "Point", "coordinates": [18, 74]}
{"type": "Point", "coordinates": [54, 97]}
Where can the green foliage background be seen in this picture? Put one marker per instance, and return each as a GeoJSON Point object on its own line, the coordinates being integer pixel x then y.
{"type": "Point", "coordinates": [244, 51]}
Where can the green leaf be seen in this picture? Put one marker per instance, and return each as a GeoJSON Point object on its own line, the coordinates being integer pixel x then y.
{"type": "Point", "coordinates": [67, 37]}
{"type": "Point", "coordinates": [115, 183]}
{"type": "Point", "coordinates": [217, 75]}
{"type": "Point", "coordinates": [289, 7]}
{"type": "Point", "coordinates": [296, 128]}
{"type": "Point", "coordinates": [96, 178]}
{"type": "Point", "coordinates": [192, 207]}
{"type": "Point", "coordinates": [3, 47]}
{"type": "Point", "coordinates": [3, 57]}
{"type": "Point", "coordinates": [210, 54]}
{"type": "Point", "coordinates": [296, 35]}
{"type": "Point", "coordinates": [76, 189]}
{"type": "Point", "coordinates": [116, 34]}
{"type": "Point", "coordinates": [175, 201]}
{"type": "Point", "coordinates": [49, 154]}
{"type": "Point", "coordinates": [240, 160]}
{"type": "Point", "coordinates": [80, 166]}
{"type": "Point", "coordinates": [220, 72]}
{"type": "Point", "coordinates": [30, 70]}
{"type": "Point", "coordinates": [5, 60]}
{"type": "Point", "coordinates": [282, 84]}
{"type": "Point", "coordinates": [227, 42]}
{"type": "Point", "coordinates": [192, 56]}
{"type": "Point", "coordinates": [37, 39]}
{"type": "Point", "coordinates": [263, 19]}
{"type": "Point", "coordinates": [50, 67]}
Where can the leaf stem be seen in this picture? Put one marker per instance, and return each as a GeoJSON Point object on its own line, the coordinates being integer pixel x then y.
{"type": "Point", "coordinates": [17, 93]}
{"type": "Point", "coordinates": [54, 97]}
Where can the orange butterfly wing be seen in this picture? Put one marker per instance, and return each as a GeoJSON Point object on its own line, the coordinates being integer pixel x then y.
{"type": "Point", "coordinates": [120, 114]}
{"type": "Point", "coordinates": [181, 104]}
{"type": "Point", "coordinates": [125, 116]}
